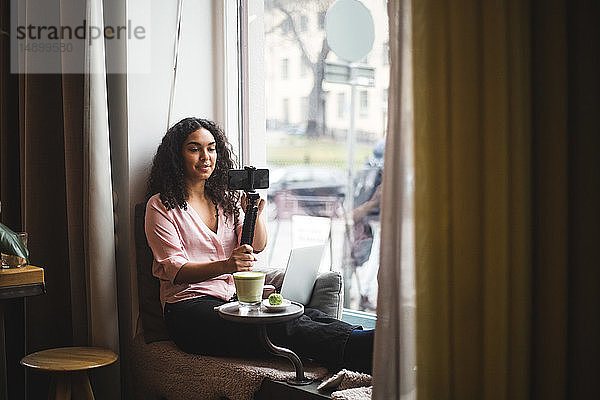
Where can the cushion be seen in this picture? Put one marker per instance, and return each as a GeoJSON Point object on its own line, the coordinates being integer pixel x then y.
{"type": "Point", "coordinates": [150, 308]}
{"type": "Point", "coordinates": [327, 295]}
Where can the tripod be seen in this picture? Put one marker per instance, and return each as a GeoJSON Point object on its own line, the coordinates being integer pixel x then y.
{"type": "Point", "coordinates": [248, 179]}
{"type": "Point", "coordinates": [250, 218]}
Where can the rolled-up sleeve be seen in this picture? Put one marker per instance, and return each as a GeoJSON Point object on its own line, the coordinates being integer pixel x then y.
{"type": "Point", "coordinates": [165, 242]}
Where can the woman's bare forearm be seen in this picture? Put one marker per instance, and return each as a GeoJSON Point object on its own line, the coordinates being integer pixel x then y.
{"type": "Point", "coordinates": [193, 272]}
{"type": "Point", "coordinates": [241, 259]}
{"type": "Point", "coordinates": [260, 235]}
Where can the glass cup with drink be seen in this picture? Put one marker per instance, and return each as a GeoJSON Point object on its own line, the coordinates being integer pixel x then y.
{"type": "Point", "coordinates": [249, 288]}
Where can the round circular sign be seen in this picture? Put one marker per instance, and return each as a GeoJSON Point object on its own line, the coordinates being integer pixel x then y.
{"type": "Point", "coordinates": [350, 30]}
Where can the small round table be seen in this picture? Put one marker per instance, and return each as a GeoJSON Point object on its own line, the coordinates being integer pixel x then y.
{"type": "Point", "coordinates": [263, 317]}
{"type": "Point", "coordinates": [68, 367]}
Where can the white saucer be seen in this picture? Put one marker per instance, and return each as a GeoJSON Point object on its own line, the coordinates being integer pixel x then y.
{"type": "Point", "coordinates": [278, 307]}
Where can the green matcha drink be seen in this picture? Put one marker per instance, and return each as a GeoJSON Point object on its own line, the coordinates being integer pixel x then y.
{"type": "Point", "coordinates": [249, 287]}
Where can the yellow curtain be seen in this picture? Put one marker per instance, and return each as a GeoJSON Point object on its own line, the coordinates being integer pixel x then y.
{"type": "Point", "coordinates": [472, 198]}
{"type": "Point", "coordinates": [507, 195]}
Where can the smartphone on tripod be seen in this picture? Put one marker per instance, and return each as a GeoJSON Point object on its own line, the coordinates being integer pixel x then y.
{"type": "Point", "coordinates": [248, 179]}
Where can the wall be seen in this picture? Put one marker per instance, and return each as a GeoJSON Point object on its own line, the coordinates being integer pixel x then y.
{"type": "Point", "coordinates": [149, 91]}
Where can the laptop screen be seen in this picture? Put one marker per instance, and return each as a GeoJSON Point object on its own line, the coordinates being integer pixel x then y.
{"type": "Point", "coordinates": [301, 273]}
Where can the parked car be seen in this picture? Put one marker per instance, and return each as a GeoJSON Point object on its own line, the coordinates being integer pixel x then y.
{"type": "Point", "coordinates": [304, 189]}
{"type": "Point", "coordinates": [296, 130]}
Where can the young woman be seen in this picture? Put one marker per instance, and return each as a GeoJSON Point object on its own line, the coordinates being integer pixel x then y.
{"type": "Point", "coordinates": [193, 224]}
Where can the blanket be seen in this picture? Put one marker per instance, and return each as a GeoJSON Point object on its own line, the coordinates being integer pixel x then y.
{"type": "Point", "coordinates": [161, 370]}
{"type": "Point", "coordinates": [348, 385]}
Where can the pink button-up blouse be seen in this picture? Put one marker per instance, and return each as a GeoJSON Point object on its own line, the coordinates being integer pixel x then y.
{"type": "Point", "coordinates": [179, 236]}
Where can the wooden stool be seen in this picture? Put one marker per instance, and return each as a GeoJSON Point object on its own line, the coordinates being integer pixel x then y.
{"type": "Point", "coordinates": [68, 367]}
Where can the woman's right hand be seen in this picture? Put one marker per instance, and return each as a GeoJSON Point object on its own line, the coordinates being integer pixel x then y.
{"type": "Point", "coordinates": [242, 259]}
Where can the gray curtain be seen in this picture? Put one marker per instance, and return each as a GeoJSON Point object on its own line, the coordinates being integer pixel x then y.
{"type": "Point", "coordinates": [394, 359]}
{"type": "Point", "coordinates": [59, 138]}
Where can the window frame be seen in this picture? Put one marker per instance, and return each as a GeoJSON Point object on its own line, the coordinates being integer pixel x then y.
{"type": "Point", "coordinates": [227, 105]}
{"type": "Point", "coordinates": [241, 101]}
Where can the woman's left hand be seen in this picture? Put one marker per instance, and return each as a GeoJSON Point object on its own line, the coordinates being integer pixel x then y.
{"type": "Point", "coordinates": [260, 203]}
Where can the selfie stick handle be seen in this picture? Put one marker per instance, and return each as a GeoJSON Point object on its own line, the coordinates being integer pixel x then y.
{"type": "Point", "coordinates": [250, 218]}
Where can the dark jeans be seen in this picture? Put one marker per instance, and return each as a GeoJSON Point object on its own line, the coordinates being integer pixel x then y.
{"type": "Point", "coordinates": [196, 328]}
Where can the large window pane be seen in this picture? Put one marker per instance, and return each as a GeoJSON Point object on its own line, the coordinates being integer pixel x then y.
{"type": "Point", "coordinates": [307, 136]}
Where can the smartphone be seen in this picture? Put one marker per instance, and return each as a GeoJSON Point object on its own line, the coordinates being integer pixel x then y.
{"type": "Point", "coordinates": [240, 179]}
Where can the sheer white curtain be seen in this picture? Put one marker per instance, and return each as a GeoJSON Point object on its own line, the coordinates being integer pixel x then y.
{"type": "Point", "coordinates": [99, 228]}
{"type": "Point", "coordinates": [394, 373]}
{"type": "Point", "coordinates": [98, 201]}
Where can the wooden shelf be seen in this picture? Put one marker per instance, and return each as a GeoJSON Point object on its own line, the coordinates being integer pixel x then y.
{"type": "Point", "coordinates": [26, 275]}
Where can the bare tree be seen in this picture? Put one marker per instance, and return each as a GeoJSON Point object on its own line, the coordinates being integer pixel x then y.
{"type": "Point", "coordinates": [289, 28]}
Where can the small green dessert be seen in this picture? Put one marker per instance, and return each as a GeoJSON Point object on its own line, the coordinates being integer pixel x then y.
{"type": "Point", "coordinates": [275, 299]}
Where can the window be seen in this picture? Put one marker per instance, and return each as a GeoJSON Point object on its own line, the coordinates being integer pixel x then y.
{"type": "Point", "coordinates": [286, 26]}
{"type": "Point", "coordinates": [364, 103]}
{"type": "Point", "coordinates": [284, 68]}
{"type": "Point", "coordinates": [303, 23]}
{"type": "Point", "coordinates": [341, 105]}
{"type": "Point", "coordinates": [285, 107]}
{"type": "Point", "coordinates": [321, 18]}
{"type": "Point", "coordinates": [307, 144]}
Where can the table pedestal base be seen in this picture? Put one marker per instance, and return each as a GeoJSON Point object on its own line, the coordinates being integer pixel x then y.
{"type": "Point", "coordinates": [283, 352]}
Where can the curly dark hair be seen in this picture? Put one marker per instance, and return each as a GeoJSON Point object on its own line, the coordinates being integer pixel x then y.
{"type": "Point", "coordinates": [167, 174]}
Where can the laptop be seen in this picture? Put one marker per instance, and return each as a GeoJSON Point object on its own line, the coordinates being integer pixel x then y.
{"type": "Point", "coordinates": [301, 273]}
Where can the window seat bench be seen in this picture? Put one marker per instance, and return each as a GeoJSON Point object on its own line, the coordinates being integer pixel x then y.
{"type": "Point", "coordinates": [158, 369]}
